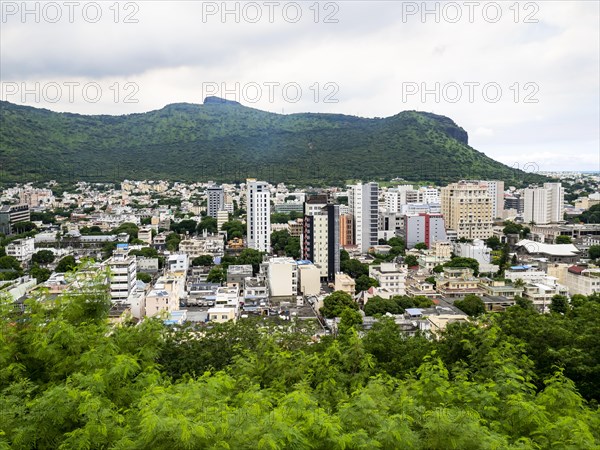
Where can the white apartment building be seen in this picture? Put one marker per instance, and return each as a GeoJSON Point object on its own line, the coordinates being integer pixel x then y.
{"type": "Point", "coordinates": [258, 219]}
{"type": "Point", "coordinates": [123, 274]}
{"type": "Point", "coordinates": [582, 281]}
{"type": "Point", "coordinates": [178, 263]}
{"type": "Point", "coordinates": [496, 192]}
{"type": "Point", "coordinates": [21, 249]}
{"type": "Point", "coordinates": [203, 245]}
{"type": "Point", "coordinates": [544, 205]}
{"type": "Point", "coordinates": [391, 277]}
{"type": "Point", "coordinates": [467, 209]}
{"type": "Point", "coordinates": [282, 277]}
{"type": "Point", "coordinates": [363, 202]}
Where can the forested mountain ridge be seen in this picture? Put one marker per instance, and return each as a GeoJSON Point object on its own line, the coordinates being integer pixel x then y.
{"type": "Point", "coordinates": [515, 380]}
{"type": "Point", "coordinates": [225, 141]}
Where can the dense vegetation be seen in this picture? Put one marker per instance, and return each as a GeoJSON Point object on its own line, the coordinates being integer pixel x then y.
{"type": "Point", "coordinates": [518, 380]}
{"type": "Point", "coordinates": [227, 142]}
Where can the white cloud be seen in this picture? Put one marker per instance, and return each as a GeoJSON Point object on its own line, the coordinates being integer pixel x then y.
{"type": "Point", "coordinates": [374, 54]}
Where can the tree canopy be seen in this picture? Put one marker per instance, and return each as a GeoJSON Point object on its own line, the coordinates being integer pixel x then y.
{"type": "Point", "coordinates": [70, 378]}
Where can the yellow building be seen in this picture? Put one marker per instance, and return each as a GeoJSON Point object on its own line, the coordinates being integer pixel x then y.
{"type": "Point", "coordinates": [467, 209]}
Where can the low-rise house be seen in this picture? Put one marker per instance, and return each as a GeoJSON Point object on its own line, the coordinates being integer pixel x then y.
{"type": "Point", "coordinates": [560, 253]}
{"type": "Point", "coordinates": [345, 283]}
{"type": "Point", "coordinates": [390, 276]}
{"type": "Point", "coordinates": [456, 282]}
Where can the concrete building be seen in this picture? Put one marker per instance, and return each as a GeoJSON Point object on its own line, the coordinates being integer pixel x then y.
{"type": "Point", "coordinates": [21, 249]}
{"type": "Point", "coordinates": [495, 190]}
{"type": "Point", "coordinates": [554, 253]}
{"type": "Point", "coordinates": [467, 209]}
{"type": "Point", "coordinates": [545, 204]}
{"type": "Point", "coordinates": [11, 214]}
{"type": "Point", "coordinates": [363, 200]}
{"type": "Point", "coordinates": [177, 264]}
{"type": "Point", "coordinates": [282, 277]}
{"type": "Point", "coordinates": [321, 240]}
{"type": "Point", "coordinates": [390, 276]}
{"type": "Point", "coordinates": [345, 283]}
{"type": "Point", "coordinates": [145, 234]}
{"type": "Point", "coordinates": [346, 230]}
{"type": "Point", "coordinates": [123, 274]}
{"type": "Point", "coordinates": [215, 200]}
{"type": "Point", "coordinates": [221, 314]}
{"type": "Point", "coordinates": [258, 219]}
{"type": "Point", "coordinates": [238, 273]}
{"type": "Point", "coordinates": [580, 280]}
{"type": "Point", "coordinates": [476, 250]}
{"type": "Point", "coordinates": [222, 217]}
{"type": "Point", "coordinates": [457, 282]}
{"type": "Point", "coordinates": [212, 245]}
{"type": "Point", "coordinates": [309, 278]}
{"type": "Point", "coordinates": [295, 227]}
{"type": "Point", "coordinates": [427, 228]}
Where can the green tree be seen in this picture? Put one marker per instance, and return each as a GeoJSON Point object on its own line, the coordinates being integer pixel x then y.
{"type": "Point", "coordinates": [66, 264]}
{"type": "Point", "coordinates": [335, 304]}
{"type": "Point", "coordinates": [470, 263]}
{"type": "Point", "coordinates": [145, 277]}
{"type": "Point", "coordinates": [493, 242]}
{"type": "Point", "coordinates": [216, 275]}
{"type": "Point", "coordinates": [172, 241]}
{"type": "Point", "coordinates": [43, 257]}
{"type": "Point", "coordinates": [127, 227]}
{"type": "Point", "coordinates": [41, 274]}
{"type": "Point", "coordinates": [185, 226]}
{"type": "Point", "coordinates": [559, 304]}
{"type": "Point", "coordinates": [561, 239]}
{"type": "Point", "coordinates": [234, 229]}
{"type": "Point", "coordinates": [471, 305]}
{"type": "Point", "coordinates": [203, 260]}
{"type": "Point", "coordinates": [350, 318]}
{"type": "Point", "coordinates": [379, 305]}
{"type": "Point", "coordinates": [421, 246]}
{"type": "Point", "coordinates": [251, 256]}
{"type": "Point", "coordinates": [145, 252]}
{"type": "Point", "coordinates": [364, 282]}
{"type": "Point", "coordinates": [594, 252]}
{"type": "Point", "coordinates": [23, 227]}
{"type": "Point", "coordinates": [354, 268]}
{"type": "Point", "coordinates": [411, 261]}
{"type": "Point", "coordinates": [209, 224]}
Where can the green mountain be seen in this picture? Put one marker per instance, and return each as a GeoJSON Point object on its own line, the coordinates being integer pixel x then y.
{"type": "Point", "coordinates": [225, 141]}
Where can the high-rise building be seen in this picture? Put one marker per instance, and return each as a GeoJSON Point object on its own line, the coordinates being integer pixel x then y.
{"type": "Point", "coordinates": [11, 214]}
{"type": "Point", "coordinates": [364, 207]}
{"type": "Point", "coordinates": [496, 192]}
{"type": "Point", "coordinates": [123, 274]}
{"type": "Point", "coordinates": [544, 205]}
{"type": "Point", "coordinates": [215, 200]}
{"type": "Point", "coordinates": [426, 228]}
{"type": "Point", "coordinates": [346, 229]}
{"type": "Point", "coordinates": [258, 217]}
{"type": "Point", "coordinates": [321, 240]}
{"type": "Point", "coordinates": [467, 209]}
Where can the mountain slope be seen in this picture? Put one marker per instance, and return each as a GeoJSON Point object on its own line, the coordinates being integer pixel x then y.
{"type": "Point", "coordinates": [225, 141]}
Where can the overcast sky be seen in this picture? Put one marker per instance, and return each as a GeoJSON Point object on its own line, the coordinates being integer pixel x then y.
{"type": "Point", "coordinates": [522, 78]}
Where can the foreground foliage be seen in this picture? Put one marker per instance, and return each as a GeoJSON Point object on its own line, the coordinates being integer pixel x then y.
{"type": "Point", "coordinates": [69, 379]}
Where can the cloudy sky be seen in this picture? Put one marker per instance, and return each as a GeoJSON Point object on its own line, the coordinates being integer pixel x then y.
{"type": "Point", "coordinates": [523, 78]}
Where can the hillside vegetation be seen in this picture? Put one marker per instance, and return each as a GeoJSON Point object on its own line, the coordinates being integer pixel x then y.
{"type": "Point", "coordinates": [229, 142]}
